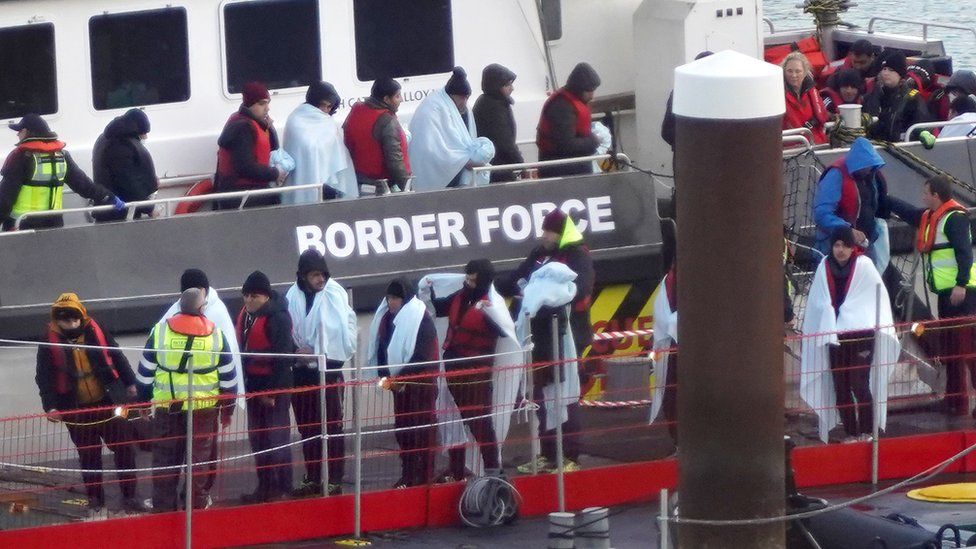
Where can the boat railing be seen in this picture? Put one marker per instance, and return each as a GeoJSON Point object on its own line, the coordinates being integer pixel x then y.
{"type": "Point", "coordinates": [769, 23]}
{"type": "Point", "coordinates": [924, 24]}
{"type": "Point", "coordinates": [167, 202]}
{"type": "Point", "coordinates": [805, 132]}
{"type": "Point", "coordinates": [933, 125]}
{"type": "Point", "coordinates": [790, 140]}
{"type": "Point", "coordinates": [559, 162]}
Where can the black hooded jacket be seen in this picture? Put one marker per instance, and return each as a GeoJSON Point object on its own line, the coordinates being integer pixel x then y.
{"type": "Point", "coordinates": [495, 120]}
{"type": "Point", "coordinates": [121, 163]}
{"type": "Point", "coordinates": [278, 332]}
{"type": "Point", "coordinates": [426, 349]}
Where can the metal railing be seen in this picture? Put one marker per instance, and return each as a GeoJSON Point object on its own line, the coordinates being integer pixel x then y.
{"type": "Point", "coordinates": [806, 132]}
{"type": "Point", "coordinates": [798, 140]}
{"type": "Point", "coordinates": [924, 24]}
{"type": "Point", "coordinates": [166, 202]}
{"type": "Point", "coordinates": [549, 163]}
{"type": "Point", "coordinates": [769, 22]}
{"type": "Point", "coordinates": [932, 125]}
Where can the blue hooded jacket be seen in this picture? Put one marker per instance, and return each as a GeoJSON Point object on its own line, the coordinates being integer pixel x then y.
{"type": "Point", "coordinates": [827, 199]}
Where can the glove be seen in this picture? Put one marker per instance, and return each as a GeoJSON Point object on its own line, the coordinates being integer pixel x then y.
{"type": "Point", "coordinates": [118, 203]}
{"type": "Point", "coordinates": [927, 139]}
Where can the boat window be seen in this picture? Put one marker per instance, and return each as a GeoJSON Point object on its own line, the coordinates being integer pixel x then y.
{"type": "Point", "coordinates": [28, 76]}
{"type": "Point", "coordinates": [399, 38]}
{"type": "Point", "coordinates": [552, 18]}
{"type": "Point", "coordinates": [276, 42]}
{"type": "Point", "coordinates": [139, 58]}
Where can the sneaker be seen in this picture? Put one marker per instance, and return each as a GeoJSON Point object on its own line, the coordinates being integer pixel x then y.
{"type": "Point", "coordinates": [400, 484]}
{"type": "Point", "coordinates": [136, 505]}
{"type": "Point", "coordinates": [865, 438]}
{"type": "Point", "coordinates": [308, 489]}
{"type": "Point", "coordinates": [541, 464]}
{"type": "Point", "coordinates": [569, 466]}
{"type": "Point", "coordinates": [335, 489]}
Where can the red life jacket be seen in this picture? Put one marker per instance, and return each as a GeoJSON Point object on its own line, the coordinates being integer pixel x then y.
{"type": "Point", "coordinates": [803, 108]}
{"type": "Point", "coordinates": [583, 119]}
{"type": "Point", "coordinates": [262, 155]}
{"type": "Point", "coordinates": [850, 200]}
{"type": "Point", "coordinates": [256, 342]}
{"type": "Point", "coordinates": [832, 68]}
{"type": "Point", "coordinates": [929, 224]}
{"type": "Point", "coordinates": [62, 379]}
{"type": "Point", "coordinates": [367, 152]}
{"type": "Point", "coordinates": [469, 333]}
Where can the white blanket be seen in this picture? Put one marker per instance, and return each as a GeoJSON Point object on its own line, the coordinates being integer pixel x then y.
{"type": "Point", "coordinates": [507, 376]}
{"type": "Point", "coordinates": [215, 311]}
{"type": "Point", "coordinates": [665, 337]}
{"type": "Point", "coordinates": [403, 341]}
{"type": "Point", "coordinates": [820, 328]}
{"type": "Point", "coordinates": [552, 286]}
{"type": "Point", "coordinates": [962, 130]}
{"type": "Point", "coordinates": [442, 144]}
{"type": "Point", "coordinates": [331, 312]}
{"type": "Point", "coordinates": [314, 140]}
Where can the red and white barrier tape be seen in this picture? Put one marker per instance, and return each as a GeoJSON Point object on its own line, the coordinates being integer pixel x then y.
{"type": "Point", "coordinates": [614, 404]}
{"type": "Point", "coordinates": [606, 336]}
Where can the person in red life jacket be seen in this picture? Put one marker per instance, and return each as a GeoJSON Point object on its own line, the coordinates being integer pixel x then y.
{"type": "Point", "coordinates": [944, 239]}
{"type": "Point", "coordinates": [244, 154]}
{"type": "Point", "coordinates": [852, 195]}
{"type": "Point", "coordinates": [565, 124]}
{"type": "Point", "coordinates": [563, 243]}
{"type": "Point", "coordinates": [264, 326]}
{"type": "Point", "coordinates": [79, 387]}
{"type": "Point", "coordinates": [804, 108]}
{"type": "Point", "coordinates": [471, 334]}
{"type": "Point", "coordinates": [375, 139]}
{"type": "Point", "coordinates": [922, 72]}
{"type": "Point", "coordinates": [894, 100]}
{"type": "Point", "coordinates": [860, 57]}
{"type": "Point", "coordinates": [35, 173]}
{"type": "Point", "coordinates": [849, 90]}
{"type": "Point", "coordinates": [403, 342]}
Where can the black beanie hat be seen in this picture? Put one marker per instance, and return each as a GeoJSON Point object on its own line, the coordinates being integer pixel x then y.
{"type": "Point", "coordinates": [850, 78]}
{"type": "Point", "coordinates": [138, 120]}
{"type": "Point", "coordinates": [312, 260]}
{"type": "Point", "coordinates": [384, 87]}
{"type": "Point", "coordinates": [257, 283]}
{"type": "Point", "coordinates": [895, 60]}
{"type": "Point", "coordinates": [319, 92]}
{"type": "Point", "coordinates": [845, 235]}
{"type": "Point", "coordinates": [583, 79]}
{"type": "Point", "coordinates": [458, 84]}
{"type": "Point", "coordinates": [485, 271]}
{"type": "Point", "coordinates": [400, 287]}
{"type": "Point", "coordinates": [194, 278]}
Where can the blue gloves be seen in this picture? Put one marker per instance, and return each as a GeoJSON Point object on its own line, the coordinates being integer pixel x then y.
{"type": "Point", "coordinates": [117, 202]}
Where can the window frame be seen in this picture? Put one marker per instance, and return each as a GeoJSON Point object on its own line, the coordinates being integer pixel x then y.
{"type": "Point", "coordinates": [222, 47]}
{"type": "Point", "coordinates": [155, 106]}
{"type": "Point", "coordinates": [39, 20]}
{"type": "Point", "coordinates": [354, 52]}
{"type": "Point", "coordinates": [562, 26]}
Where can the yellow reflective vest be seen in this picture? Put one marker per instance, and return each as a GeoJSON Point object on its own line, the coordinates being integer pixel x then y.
{"type": "Point", "coordinates": [942, 267]}
{"type": "Point", "coordinates": [178, 354]}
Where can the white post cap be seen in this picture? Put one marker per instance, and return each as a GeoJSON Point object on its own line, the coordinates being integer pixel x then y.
{"type": "Point", "coordinates": [729, 86]}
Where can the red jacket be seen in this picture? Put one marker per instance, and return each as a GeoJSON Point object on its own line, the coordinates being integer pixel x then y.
{"type": "Point", "coordinates": [231, 177]}
{"type": "Point", "coordinates": [469, 333]}
{"type": "Point", "coordinates": [806, 110]}
{"type": "Point", "coordinates": [366, 151]}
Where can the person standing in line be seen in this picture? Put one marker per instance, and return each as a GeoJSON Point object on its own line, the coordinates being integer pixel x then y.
{"type": "Point", "coordinates": [122, 164]}
{"type": "Point", "coordinates": [264, 327]}
{"type": "Point", "coordinates": [375, 139]}
{"type": "Point", "coordinates": [565, 126]}
{"type": "Point", "coordinates": [323, 323]}
{"type": "Point", "coordinates": [495, 119]}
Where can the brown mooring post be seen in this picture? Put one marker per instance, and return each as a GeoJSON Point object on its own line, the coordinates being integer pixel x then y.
{"type": "Point", "coordinates": [729, 110]}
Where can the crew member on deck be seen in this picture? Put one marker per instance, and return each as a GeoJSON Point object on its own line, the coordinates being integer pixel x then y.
{"type": "Point", "coordinates": [945, 240]}
{"type": "Point", "coordinates": [34, 176]}
{"type": "Point", "coordinates": [860, 57]}
{"type": "Point", "coordinates": [264, 327]}
{"type": "Point", "coordinates": [804, 108]}
{"type": "Point", "coordinates": [244, 154]}
{"type": "Point", "coordinates": [894, 100]}
{"type": "Point", "coordinates": [565, 124]}
{"type": "Point", "coordinates": [376, 140]}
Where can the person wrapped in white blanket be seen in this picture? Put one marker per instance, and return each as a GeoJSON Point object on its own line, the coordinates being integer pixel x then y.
{"type": "Point", "coordinates": [846, 357]}
{"type": "Point", "coordinates": [444, 144]}
{"type": "Point", "coordinates": [323, 323]}
{"type": "Point", "coordinates": [315, 142]}
{"type": "Point", "coordinates": [403, 342]}
{"type": "Point", "coordinates": [666, 362]}
{"type": "Point", "coordinates": [482, 368]}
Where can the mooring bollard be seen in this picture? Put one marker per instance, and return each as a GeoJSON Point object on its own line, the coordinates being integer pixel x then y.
{"type": "Point", "coordinates": [561, 533]}
{"type": "Point", "coordinates": [593, 531]}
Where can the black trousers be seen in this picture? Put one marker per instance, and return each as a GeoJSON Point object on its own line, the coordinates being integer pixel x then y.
{"type": "Point", "coordinates": [472, 393]}
{"type": "Point", "coordinates": [413, 408]}
{"type": "Point", "coordinates": [270, 427]}
{"type": "Point", "coordinates": [850, 366]}
{"type": "Point", "coordinates": [89, 430]}
{"type": "Point", "coordinates": [956, 343]}
{"type": "Point", "coordinates": [169, 449]}
{"type": "Point", "coordinates": [308, 417]}
{"type": "Point", "coordinates": [541, 326]}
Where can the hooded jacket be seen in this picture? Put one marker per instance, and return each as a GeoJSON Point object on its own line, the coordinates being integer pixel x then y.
{"type": "Point", "coordinates": [57, 373]}
{"type": "Point", "coordinates": [868, 199]}
{"type": "Point", "coordinates": [121, 163]}
{"type": "Point", "coordinates": [560, 117]}
{"type": "Point", "coordinates": [276, 322]}
{"type": "Point", "coordinates": [495, 119]}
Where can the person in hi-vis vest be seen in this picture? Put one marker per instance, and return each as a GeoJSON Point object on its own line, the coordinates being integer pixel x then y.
{"type": "Point", "coordinates": [945, 240]}
{"type": "Point", "coordinates": [184, 344]}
